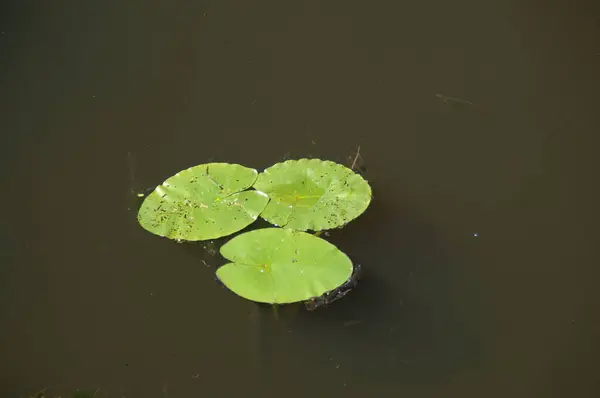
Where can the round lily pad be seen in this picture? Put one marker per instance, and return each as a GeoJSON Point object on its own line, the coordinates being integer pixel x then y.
{"type": "Point", "coordinates": [276, 265]}
{"type": "Point", "coordinates": [312, 194]}
{"type": "Point", "coordinates": [203, 202]}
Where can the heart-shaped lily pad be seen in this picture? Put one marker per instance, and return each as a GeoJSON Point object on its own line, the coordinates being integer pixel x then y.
{"type": "Point", "coordinates": [203, 202]}
{"type": "Point", "coordinates": [275, 265]}
{"type": "Point", "coordinates": [312, 194]}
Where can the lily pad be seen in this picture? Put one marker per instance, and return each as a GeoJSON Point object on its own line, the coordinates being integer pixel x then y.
{"type": "Point", "coordinates": [312, 194]}
{"type": "Point", "coordinates": [203, 202]}
{"type": "Point", "coordinates": [275, 265]}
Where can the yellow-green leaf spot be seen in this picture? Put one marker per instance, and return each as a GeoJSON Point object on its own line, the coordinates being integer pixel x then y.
{"type": "Point", "coordinates": [276, 265]}
{"type": "Point", "coordinates": [312, 194]}
{"type": "Point", "coordinates": [203, 202]}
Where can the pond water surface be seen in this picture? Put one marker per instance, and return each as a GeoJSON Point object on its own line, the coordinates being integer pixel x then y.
{"type": "Point", "coordinates": [478, 128]}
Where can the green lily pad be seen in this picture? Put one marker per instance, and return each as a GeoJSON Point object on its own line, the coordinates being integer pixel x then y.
{"type": "Point", "coordinates": [312, 194]}
{"type": "Point", "coordinates": [275, 265]}
{"type": "Point", "coordinates": [203, 202]}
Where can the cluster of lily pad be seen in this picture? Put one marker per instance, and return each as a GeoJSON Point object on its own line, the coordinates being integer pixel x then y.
{"type": "Point", "coordinates": [282, 264]}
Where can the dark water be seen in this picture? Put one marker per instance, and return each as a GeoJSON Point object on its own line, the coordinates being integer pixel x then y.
{"type": "Point", "coordinates": [478, 123]}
